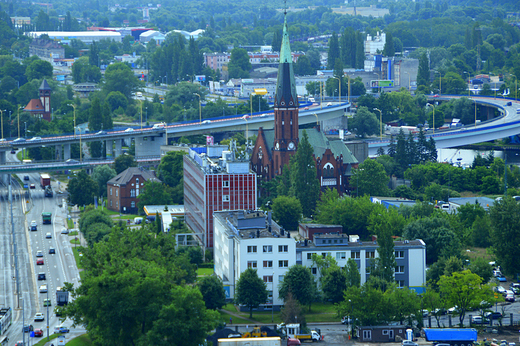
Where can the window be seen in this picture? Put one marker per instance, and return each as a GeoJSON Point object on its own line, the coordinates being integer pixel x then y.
{"type": "Point", "coordinates": [268, 248]}
{"type": "Point", "coordinates": [314, 271]}
{"type": "Point", "coordinates": [225, 183]}
{"type": "Point", "coordinates": [132, 193]}
{"type": "Point", "coordinates": [251, 249]}
{"type": "Point", "coordinates": [367, 335]}
{"type": "Point", "coordinates": [399, 269]}
{"type": "Point", "coordinates": [117, 192]}
{"type": "Point", "coordinates": [385, 332]}
{"type": "Point", "coordinates": [110, 203]}
{"type": "Point", "coordinates": [283, 248]}
{"type": "Point", "coordinates": [268, 264]}
{"type": "Point", "coordinates": [225, 198]}
{"type": "Point", "coordinates": [399, 254]}
{"type": "Point", "coordinates": [400, 283]}
{"type": "Point", "coordinates": [355, 254]}
{"type": "Point", "coordinates": [283, 264]}
{"type": "Point", "coordinates": [110, 191]}
{"type": "Point", "coordinates": [341, 255]}
{"type": "Point", "coordinates": [268, 278]}
{"type": "Point", "coordinates": [324, 254]}
{"type": "Point", "coordinates": [309, 255]}
{"type": "Point", "coordinates": [370, 254]}
{"type": "Point", "coordinates": [132, 204]}
{"type": "Point", "coordinates": [251, 264]}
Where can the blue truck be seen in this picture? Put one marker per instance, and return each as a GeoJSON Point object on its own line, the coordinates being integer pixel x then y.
{"type": "Point", "coordinates": [451, 336]}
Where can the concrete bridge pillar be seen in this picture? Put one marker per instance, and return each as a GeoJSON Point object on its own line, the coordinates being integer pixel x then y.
{"type": "Point", "coordinates": [66, 151]}
{"type": "Point", "coordinates": [148, 145]}
{"type": "Point", "coordinates": [59, 153]}
{"type": "Point", "coordinates": [119, 147]}
{"type": "Point", "coordinates": [109, 148]}
{"type": "Point", "coordinates": [490, 112]}
{"type": "Point", "coordinates": [3, 155]}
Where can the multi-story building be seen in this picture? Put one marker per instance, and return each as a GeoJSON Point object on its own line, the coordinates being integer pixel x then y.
{"type": "Point", "coordinates": [215, 180]}
{"type": "Point", "coordinates": [250, 239]}
{"type": "Point", "coordinates": [410, 257]}
{"type": "Point", "coordinates": [215, 61]}
{"type": "Point", "coordinates": [123, 190]}
{"type": "Point", "coordinates": [46, 49]}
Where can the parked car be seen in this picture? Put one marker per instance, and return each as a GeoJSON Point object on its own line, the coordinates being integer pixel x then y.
{"type": "Point", "coordinates": [478, 320]}
{"type": "Point", "coordinates": [495, 315]}
{"type": "Point", "coordinates": [502, 278]}
{"type": "Point", "coordinates": [409, 343]}
{"type": "Point", "coordinates": [64, 231]}
{"type": "Point", "coordinates": [510, 298]}
{"type": "Point", "coordinates": [346, 320]}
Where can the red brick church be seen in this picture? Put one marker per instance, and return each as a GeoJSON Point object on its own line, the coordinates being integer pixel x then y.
{"type": "Point", "coordinates": [41, 107]}
{"type": "Point", "coordinates": [274, 148]}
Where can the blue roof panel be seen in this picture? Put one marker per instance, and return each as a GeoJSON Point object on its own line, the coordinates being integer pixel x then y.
{"type": "Point", "coordinates": [450, 334]}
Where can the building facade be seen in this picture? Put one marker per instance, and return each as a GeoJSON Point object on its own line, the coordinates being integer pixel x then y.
{"type": "Point", "coordinates": [46, 49]}
{"type": "Point", "coordinates": [41, 107]}
{"type": "Point", "coordinates": [124, 189]}
{"type": "Point", "coordinates": [250, 239]}
{"type": "Point", "coordinates": [215, 180]}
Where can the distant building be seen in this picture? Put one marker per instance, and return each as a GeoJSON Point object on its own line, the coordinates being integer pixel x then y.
{"type": "Point", "coordinates": [147, 36]}
{"type": "Point", "coordinates": [250, 239]}
{"type": "Point", "coordinates": [375, 44]}
{"type": "Point", "coordinates": [123, 190]}
{"type": "Point", "coordinates": [84, 89]}
{"type": "Point", "coordinates": [41, 107]}
{"type": "Point", "coordinates": [216, 61]}
{"type": "Point", "coordinates": [214, 180]}
{"type": "Point", "coordinates": [84, 36]}
{"type": "Point", "coordinates": [46, 49]}
{"type": "Point", "coordinates": [195, 34]}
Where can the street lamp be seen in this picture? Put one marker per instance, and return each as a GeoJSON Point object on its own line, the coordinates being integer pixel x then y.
{"type": "Point", "coordinates": [246, 118]}
{"type": "Point", "coordinates": [433, 120]}
{"type": "Point", "coordinates": [316, 115]}
{"type": "Point", "coordinates": [9, 124]}
{"type": "Point", "coordinates": [200, 109]}
{"type": "Point", "coordinates": [380, 123]}
{"type": "Point", "coordinates": [339, 82]}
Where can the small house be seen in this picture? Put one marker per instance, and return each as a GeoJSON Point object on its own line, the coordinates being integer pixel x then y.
{"type": "Point", "coordinates": [381, 333]}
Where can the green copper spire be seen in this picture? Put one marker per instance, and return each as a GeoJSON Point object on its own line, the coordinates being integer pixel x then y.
{"type": "Point", "coordinates": [285, 96]}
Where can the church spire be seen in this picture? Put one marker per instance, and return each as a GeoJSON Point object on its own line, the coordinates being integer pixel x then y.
{"type": "Point", "coordinates": [285, 96]}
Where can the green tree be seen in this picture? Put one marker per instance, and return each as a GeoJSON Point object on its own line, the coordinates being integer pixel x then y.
{"type": "Point", "coordinates": [101, 175]}
{"type": "Point", "coordinates": [154, 193]}
{"type": "Point", "coordinates": [333, 283]}
{"type": "Point", "coordinates": [482, 268]}
{"type": "Point", "coordinates": [389, 49]}
{"type": "Point", "coordinates": [423, 73]}
{"type": "Point", "coordinates": [38, 69]}
{"type": "Point", "coordinates": [505, 233]}
{"type": "Point", "coordinates": [365, 305]}
{"type": "Point", "coordinates": [292, 311]}
{"type": "Point", "coordinates": [403, 303]}
{"type": "Point", "coordinates": [299, 281]}
{"type": "Point", "coordinates": [119, 77]}
{"type": "Point", "coordinates": [171, 172]}
{"type": "Point", "coordinates": [364, 123]}
{"type": "Point", "coordinates": [464, 290]}
{"type": "Point", "coordinates": [287, 212]}
{"type": "Point", "coordinates": [95, 224]}
{"type": "Point", "coordinates": [385, 263]}
{"type": "Point", "coordinates": [305, 185]}
{"type": "Point", "coordinates": [116, 99]}
{"type": "Point", "coordinates": [82, 189]}
{"type": "Point", "coordinates": [212, 291]}
{"type": "Point", "coordinates": [352, 275]}
{"type": "Point", "coordinates": [432, 302]}
{"type": "Point", "coordinates": [239, 64]}
{"type": "Point", "coordinates": [370, 179]}
{"type": "Point", "coordinates": [333, 53]}
{"type": "Point", "coordinates": [482, 231]}
{"type": "Point", "coordinates": [123, 162]}
{"type": "Point", "coordinates": [251, 290]}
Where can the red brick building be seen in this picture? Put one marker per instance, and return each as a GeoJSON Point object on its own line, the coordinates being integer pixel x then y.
{"type": "Point", "coordinates": [123, 190]}
{"type": "Point", "coordinates": [215, 180]}
{"type": "Point", "coordinates": [41, 108]}
{"type": "Point", "coordinates": [274, 148]}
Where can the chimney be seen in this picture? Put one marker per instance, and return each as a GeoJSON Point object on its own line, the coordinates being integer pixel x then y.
{"type": "Point", "coordinates": [258, 233]}
{"type": "Point", "coordinates": [306, 242]}
{"type": "Point", "coordinates": [281, 231]}
{"type": "Point", "coordinates": [288, 234]}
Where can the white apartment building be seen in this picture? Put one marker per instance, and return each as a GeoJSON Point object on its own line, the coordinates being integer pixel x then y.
{"type": "Point", "coordinates": [375, 43]}
{"type": "Point", "coordinates": [248, 239]}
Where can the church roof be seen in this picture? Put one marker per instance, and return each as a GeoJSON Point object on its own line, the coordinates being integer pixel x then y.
{"type": "Point", "coordinates": [285, 95]}
{"type": "Point", "coordinates": [45, 85]}
{"type": "Point", "coordinates": [35, 105]}
{"type": "Point", "coordinates": [319, 142]}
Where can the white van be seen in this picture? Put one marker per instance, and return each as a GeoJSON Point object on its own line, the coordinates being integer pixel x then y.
{"type": "Point", "coordinates": [138, 220]}
{"type": "Point", "coordinates": [139, 94]}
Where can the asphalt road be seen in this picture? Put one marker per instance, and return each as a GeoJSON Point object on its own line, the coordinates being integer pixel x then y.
{"type": "Point", "coordinates": [59, 267]}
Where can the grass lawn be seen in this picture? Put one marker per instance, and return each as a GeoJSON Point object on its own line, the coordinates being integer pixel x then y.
{"type": "Point", "coordinates": [204, 271]}
{"type": "Point", "coordinates": [74, 241]}
{"type": "Point", "coordinates": [77, 257]}
{"type": "Point", "coordinates": [70, 223]}
{"type": "Point", "coordinates": [73, 233]}
{"type": "Point", "coordinates": [123, 216]}
{"type": "Point", "coordinates": [82, 340]}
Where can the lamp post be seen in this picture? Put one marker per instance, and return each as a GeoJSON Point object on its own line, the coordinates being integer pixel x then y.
{"type": "Point", "coordinates": [339, 82]}
{"type": "Point", "coordinates": [9, 124]}
{"type": "Point", "coordinates": [200, 109]}
{"type": "Point", "coordinates": [433, 120]}
{"type": "Point", "coordinates": [380, 123]}
{"type": "Point", "coordinates": [246, 118]}
{"type": "Point", "coordinates": [317, 122]}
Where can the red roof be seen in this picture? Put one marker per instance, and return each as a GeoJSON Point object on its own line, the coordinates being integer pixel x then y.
{"type": "Point", "coordinates": [35, 105]}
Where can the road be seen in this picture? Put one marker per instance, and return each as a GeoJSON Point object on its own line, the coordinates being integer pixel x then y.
{"type": "Point", "coordinates": [60, 267]}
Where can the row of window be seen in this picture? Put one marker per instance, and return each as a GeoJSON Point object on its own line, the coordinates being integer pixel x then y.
{"type": "Point", "coordinates": [132, 204]}
{"type": "Point", "coordinates": [314, 270]}
{"type": "Point", "coordinates": [268, 264]}
{"type": "Point", "coordinates": [268, 248]}
{"type": "Point", "coordinates": [353, 254]}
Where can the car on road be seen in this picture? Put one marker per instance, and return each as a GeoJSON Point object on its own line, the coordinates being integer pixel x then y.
{"type": "Point", "coordinates": [52, 251]}
{"type": "Point", "coordinates": [39, 317]}
{"type": "Point", "coordinates": [41, 276]}
{"type": "Point", "coordinates": [205, 122]}
{"type": "Point", "coordinates": [40, 262]}
{"type": "Point", "coordinates": [19, 343]}
{"type": "Point", "coordinates": [502, 278]}
{"type": "Point", "coordinates": [39, 253]}
{"type": "Point", "coordinates": [478, 320]}
{"type": "Point", "coordinates": [510, 298]}
{"type": "Point", "coordinates": [47, 302]}
{"type": "Point", "coordinates": [71, 161]}
{"type": "Point", "coordinates": [28, 328]}
{"type": "Point", "coordinates": [38, 333]}
{"type": "Point", "coordinates": [43, 289]}
{"type": "Point", "coordinates": [25, 177]}
{"type": "Point", "coordinates": [409, 343]}
{"type": "Point", "coordinates": [61, 329]}
{"type": "Point", "coordinates": [32, 186]}
{"type": "Point", "coordinates": [34, 225]}
{"type": "Point", "coordinates": [18, 140]}
{"type": "Point", "coordinates": [495, 315]}
{"type": "Point", "coordinates": [13, 151]}
{"type": "Point", "coordinates": [36, 139]}
{"type": "Point", "coordinates": [48, 235]}
{"type": "Point", "coordinates": [509, 103]}
{"type": "Point", "coordinates": [64, 231]}
{"type": "Point", "coordinates": [101, 132]}
{"type": "Point", "coordinates": [129, 129]}
{"type": "Point", "coordinates": [436, 95]}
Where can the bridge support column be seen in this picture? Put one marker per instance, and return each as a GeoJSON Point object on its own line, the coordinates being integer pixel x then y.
{"type": "Point", "coordinates": [119, 147]}
{"type": "Point", "coordinates": [490, 112]}
{"type": "Point", "coordinates": [109, 148]}
{"type": "Point", "coordinates": [59, 153]}
{"type": "Point", "coordinates": [3, 177]}
{"type": "Point", "coordinates": [148, 146]}
{"type": "Point", "coordinates": [66, 151]}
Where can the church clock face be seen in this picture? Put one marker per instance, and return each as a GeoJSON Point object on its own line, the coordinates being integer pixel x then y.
{"type": "Point", "coordinates": [291, 146]}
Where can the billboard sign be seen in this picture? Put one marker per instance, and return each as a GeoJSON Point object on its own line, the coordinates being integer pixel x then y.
{"type": "Point", "coordinates": [382, 84]}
